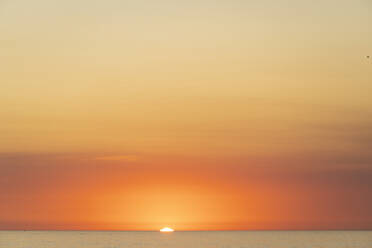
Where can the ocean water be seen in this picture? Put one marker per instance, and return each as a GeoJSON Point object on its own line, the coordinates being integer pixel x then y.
{"type": "Point", "coordinates": [205, 239]}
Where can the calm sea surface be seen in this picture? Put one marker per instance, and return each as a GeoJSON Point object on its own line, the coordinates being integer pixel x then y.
{"type": "Point", "coordinates": [239, 239]}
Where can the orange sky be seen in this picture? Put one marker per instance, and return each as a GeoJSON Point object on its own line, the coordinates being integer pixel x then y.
{"type": "Point", "coordinates": [198, 115]}
{"type": "Point", "coordinates": [80, 192]}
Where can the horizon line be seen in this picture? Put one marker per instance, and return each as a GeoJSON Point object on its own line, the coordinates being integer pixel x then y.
{"type": "Point", "coordinates": [202, 230]}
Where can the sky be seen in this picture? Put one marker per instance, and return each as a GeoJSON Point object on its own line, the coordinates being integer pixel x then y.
{"type": "Point", "coordinates": [198, 115]}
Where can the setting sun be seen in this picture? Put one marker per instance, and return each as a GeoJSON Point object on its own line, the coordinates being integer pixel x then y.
{"type": "Point", "coordinates": [166, 229]}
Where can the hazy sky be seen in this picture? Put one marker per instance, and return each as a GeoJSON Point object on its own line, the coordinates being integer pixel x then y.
{"type": "Point", "coordinates": [192, 114]}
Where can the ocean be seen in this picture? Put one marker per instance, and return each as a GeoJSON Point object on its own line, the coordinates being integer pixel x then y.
{"type": "Point", "coordinates": [203, 239]}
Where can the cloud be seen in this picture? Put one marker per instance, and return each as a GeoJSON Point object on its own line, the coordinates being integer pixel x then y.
{"type": "Point", "coordinates": [117, 158]}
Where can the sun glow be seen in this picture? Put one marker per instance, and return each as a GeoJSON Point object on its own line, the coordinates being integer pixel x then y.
{"type": "Point", "coordinates": [166, 230]}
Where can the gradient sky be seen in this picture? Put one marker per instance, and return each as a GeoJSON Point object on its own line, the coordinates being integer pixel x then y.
{"type": "Point", "coordinates": [199, 115]}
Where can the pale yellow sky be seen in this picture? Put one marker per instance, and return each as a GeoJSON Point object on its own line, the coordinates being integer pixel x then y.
{"type": "Point", "coordinates": [129, 75]}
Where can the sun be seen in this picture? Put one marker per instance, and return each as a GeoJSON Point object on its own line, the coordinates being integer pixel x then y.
{"type": "Point", "coordinates": [166, 230]}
